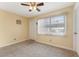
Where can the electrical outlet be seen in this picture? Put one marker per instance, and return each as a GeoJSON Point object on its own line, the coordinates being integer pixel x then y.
{"type": "Point", "coordinates": [14, 38]}
{"type": "Point", "coordinates": [50, 40]}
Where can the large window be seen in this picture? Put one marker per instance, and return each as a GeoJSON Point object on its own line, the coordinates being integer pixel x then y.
{"type": "Point", "coordinates": [52, 25]}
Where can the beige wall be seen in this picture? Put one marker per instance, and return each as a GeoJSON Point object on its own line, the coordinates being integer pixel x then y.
{"type": "Point", "coordinates": [9, 30]}
{"type": "Point", "coordinates": [60, 41]}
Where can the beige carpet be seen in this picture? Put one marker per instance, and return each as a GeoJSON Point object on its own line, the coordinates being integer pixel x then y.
{"type": "Point", "coordinates": [34, 49]}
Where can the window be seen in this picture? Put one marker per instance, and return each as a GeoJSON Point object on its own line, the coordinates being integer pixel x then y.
{"type": "Point", "coordinates": [52, 25]}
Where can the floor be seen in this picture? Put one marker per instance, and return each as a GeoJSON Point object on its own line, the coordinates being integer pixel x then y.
{"type": "Point", "coordinates": [34, 49]}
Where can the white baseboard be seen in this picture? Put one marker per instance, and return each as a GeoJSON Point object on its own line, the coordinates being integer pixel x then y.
{"type": "Point", "coordinates": [11, 43]}
{"type": "Point", "coordinates": [55, 45]}
{"type": "Point", "coordinates": [37, 41]}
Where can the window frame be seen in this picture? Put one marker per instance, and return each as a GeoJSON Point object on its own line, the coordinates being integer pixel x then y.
{"type": "Point", "coordinates": [65, 28]}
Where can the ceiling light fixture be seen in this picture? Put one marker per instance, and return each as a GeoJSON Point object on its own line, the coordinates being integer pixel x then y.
{"type": "Point", "coordinates": [33, 5]}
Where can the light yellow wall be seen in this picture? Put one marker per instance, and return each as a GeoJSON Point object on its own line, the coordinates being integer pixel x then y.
{"type": "Point", "coordinates": [60, 41]}
{"type": "Point", "coordinates": [9, 30]}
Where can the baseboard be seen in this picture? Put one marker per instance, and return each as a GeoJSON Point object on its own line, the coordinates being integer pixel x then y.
{"type": "Point", "coordinates": [55, 45]}
{"type": "Point", "coordinates": [36, 41]}
{"type": "Point", "coordinates": [12, 43]}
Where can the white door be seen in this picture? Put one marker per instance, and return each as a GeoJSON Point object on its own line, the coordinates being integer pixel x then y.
{"type": "Point", "coordinates": [76, 27]}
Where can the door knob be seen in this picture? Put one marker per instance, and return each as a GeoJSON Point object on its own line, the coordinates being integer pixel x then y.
{"type": "Point", "coordinates": [75, 33]}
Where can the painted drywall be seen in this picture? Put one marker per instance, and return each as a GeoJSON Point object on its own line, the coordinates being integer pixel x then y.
{"type": "Point", "coordinates": [9, 30]}
{"type": "Point", "coordinates": [32, 29]}
{"type": "Point", "coordinates": [76, 27]}
{"type": "Point", "coordinates": [59, 41]}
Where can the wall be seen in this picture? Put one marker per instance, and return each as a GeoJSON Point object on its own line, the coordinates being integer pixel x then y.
{"type": "Point", "coordinates": [32, 29]}
{"type": "Point", "coordinates": [76, 27]}
{"type": "Point", "coordinates": [9, 30]}
{"type": "Point", "coordinates": [59, 41]}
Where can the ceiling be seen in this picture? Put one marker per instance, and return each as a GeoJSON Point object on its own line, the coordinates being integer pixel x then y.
{"type": "Point", "coordinates": [15, 7]}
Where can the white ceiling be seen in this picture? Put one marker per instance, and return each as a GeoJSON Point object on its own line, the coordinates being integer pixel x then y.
{"type": "Point", "coordinates": [15, 7]}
